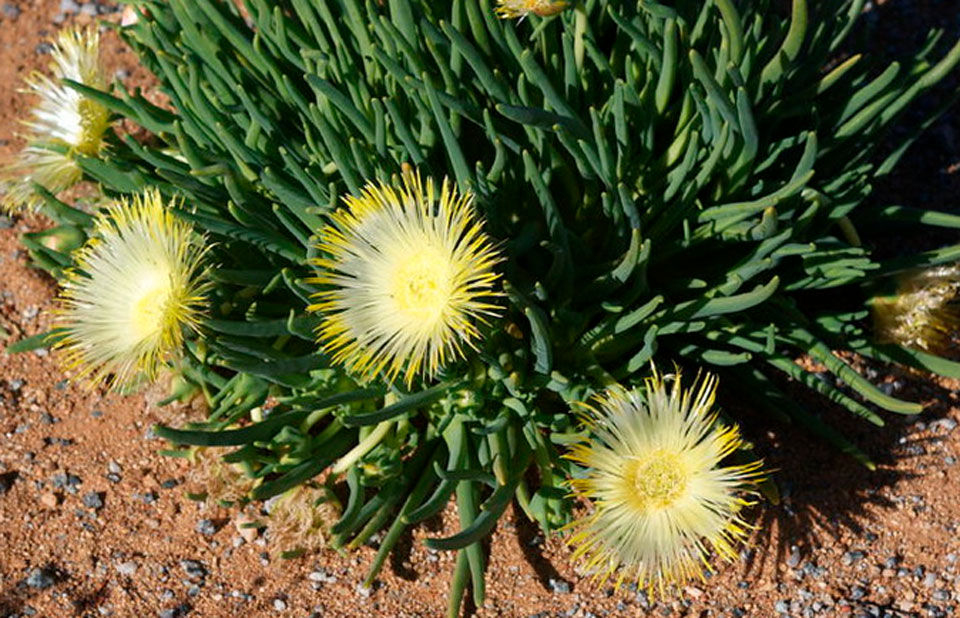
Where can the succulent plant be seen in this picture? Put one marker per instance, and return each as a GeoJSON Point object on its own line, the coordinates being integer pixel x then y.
{"type": "Point", "coordinates": [681, 181]}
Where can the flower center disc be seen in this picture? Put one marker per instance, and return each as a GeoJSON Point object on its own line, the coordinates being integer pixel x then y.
{"type": "Point", "coordinates": [659, 479]}
{"type": "Point", "coordinates": [148, 305]}
{"type": "Point", "coordinates": [422, 285]}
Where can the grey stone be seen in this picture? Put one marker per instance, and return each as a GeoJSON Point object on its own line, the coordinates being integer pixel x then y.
{"type": "Point", "coordinates": [946, 424]}
{"type": "Point", "coordinates": [40, 578]}
{"type": "Point", "coordinates": [206, 527]}
{"type": "Point", "coordinates": [93, 500]}
{"type": "Point", "coordinates": [193, 568]}
{"type": "Point", "coordinates": [559, 586]}
{"type": "Point", "coordinates": [852, 557]}
{"type": "Point", "coordinates": [127, 568]}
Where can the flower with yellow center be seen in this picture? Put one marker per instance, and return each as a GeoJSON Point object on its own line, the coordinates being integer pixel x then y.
{"type": "Point", "coordinates": [925, 311]}
{"type": "Point", "coordinates": [661, 499]}
{"type": "Point", "coordinates": [138, 283]}
{"type": "Point", "coordinates": [408, 272]}
{"type": "Point", "coordinates": [509, 9]}
{"type": "Point", "coordinates": [64, 123]}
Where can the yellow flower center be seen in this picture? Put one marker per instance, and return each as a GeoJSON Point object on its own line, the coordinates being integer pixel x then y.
{"type": "Point", "coordinates": [658, 480]}
{"type": "Point", "coordinates": [422, 285]}
{"type": "Point", "coordinates": [148, 307]}
{"type": "Point", "coordinates": [94, 120]}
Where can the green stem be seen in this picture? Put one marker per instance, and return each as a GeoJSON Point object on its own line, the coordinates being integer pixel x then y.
{"type": "Point", "coordinates": [365, 446]}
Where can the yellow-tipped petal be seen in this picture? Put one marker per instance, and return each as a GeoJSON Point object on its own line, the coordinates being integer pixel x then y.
{"type": "Point", "coordinates": [661, 500]}
{"type": "Point", "coordinates": [137, 285]}
{"type": "Point", "coordinates": [510, 9]}
{"type": "Point", "coordinates": [409, 273]}
{"type": "Point", "coordinates": [64, 123]}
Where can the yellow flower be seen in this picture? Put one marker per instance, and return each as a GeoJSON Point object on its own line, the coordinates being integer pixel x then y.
{"type": "Point", "coordinates": [924, 313]}
{"type": "Point", "coordinates": [138, 283]}
{"type": "Point", "coordinates": [661, 500]}
{"type": "Point", "coordinates": [509, 9]}
{"type": "Point", "coordinates": [64, 123]}
{"type": "Point", "coordinates": [408, 273]}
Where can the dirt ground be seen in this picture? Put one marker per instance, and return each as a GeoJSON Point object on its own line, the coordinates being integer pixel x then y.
{"type": "Point", "coordinates": [93, 522]}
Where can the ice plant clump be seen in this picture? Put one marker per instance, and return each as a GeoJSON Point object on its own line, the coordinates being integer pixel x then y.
{"type": "Point", "coordinates": [509, 9]}
{"type": "Point", "coordinates": [924, 313]}
{"type": "Point", "coordinates": [408, 273]}
{"type": "Point", "coordinates": [64, 122]}
{"type": "Point", "coordinates": [137, 284]}
{"type": "Point", "coordinates": [659, 493]}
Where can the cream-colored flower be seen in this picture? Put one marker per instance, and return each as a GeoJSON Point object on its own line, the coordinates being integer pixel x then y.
{"type": "Point", "coordinates": [64, 123]}
{"type": "Point", "coordinates": [138, 283]}
{"type": "Point", "coordinates": [408, 272]}
{"type": "Point", "coordinates": [661, 500]}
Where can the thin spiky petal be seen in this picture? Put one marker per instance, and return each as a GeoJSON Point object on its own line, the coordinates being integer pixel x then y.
{"type": "Point", "coordinates": [662, 503]}
{"type": "Point", "coordinates": [409, 273]}
{"type": "Point", "coordinates": [64, 123]}
{"type": "Point", "coordinates": [137, 285]}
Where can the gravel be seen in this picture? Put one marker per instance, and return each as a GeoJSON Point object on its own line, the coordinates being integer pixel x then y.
{"type": "Point", "coordinates": [559, 586]}
{"type": "Point", "coordinates": [852, 557]}
{"type": "Point", "coordinates": [793, 561]}
{"type": "Point", "coordinates": [93, 500]}
{"type": "Point", "coordinates": [127, 568]}
{"type": "Point", "coordinates": [193, 568]}
{"type": "Point", "coordinates": [206, 527]}
{"type": "Point", "coordinates": [11, 11]}
{"type": "Point", "coordinates": [40, 578]}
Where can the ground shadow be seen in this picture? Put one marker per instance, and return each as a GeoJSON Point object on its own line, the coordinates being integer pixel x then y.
{"type": "Point", "coordinates": [824, 492]}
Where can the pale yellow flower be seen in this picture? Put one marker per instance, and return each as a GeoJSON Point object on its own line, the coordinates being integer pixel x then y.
{"type": "Point", "coordinates": [509, 9]}
{"type": "Point", "coordinates": [409, 272]}
{"type": "Point", "coordinates": [661, 501]}
{"type": "Point", "coordinates": [138, 283]}
{"type": "Point", "coordinates": [64, 122]}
